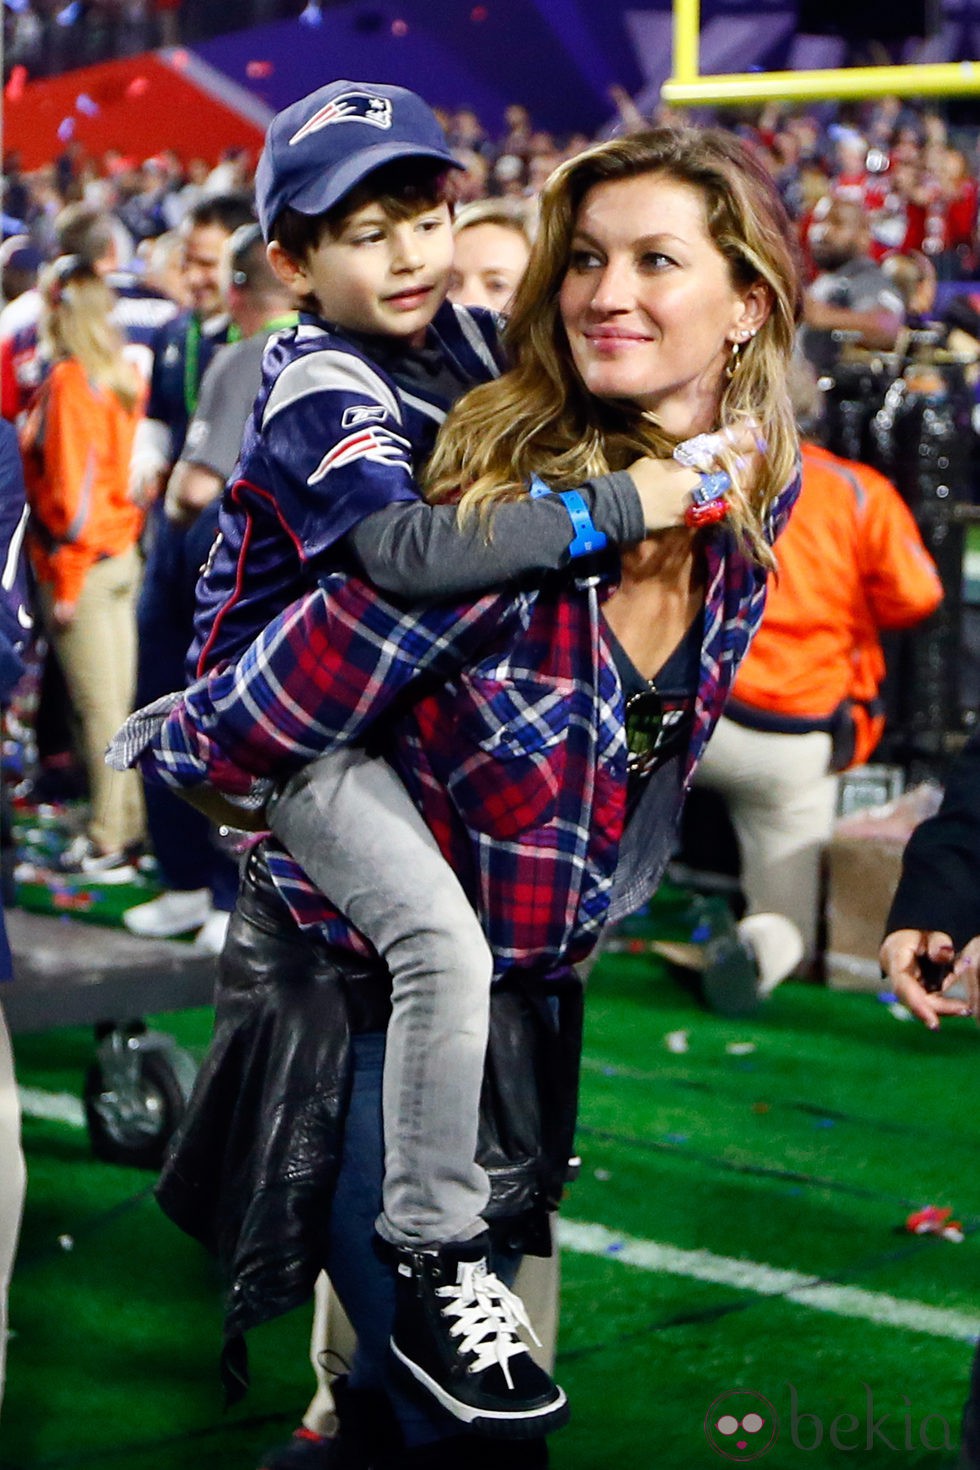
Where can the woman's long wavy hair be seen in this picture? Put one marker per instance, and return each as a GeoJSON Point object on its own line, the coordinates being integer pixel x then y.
{"type": "Point", "coordinates": [540, 418]}
{"type": "Point", "coordinates": [76, 322]}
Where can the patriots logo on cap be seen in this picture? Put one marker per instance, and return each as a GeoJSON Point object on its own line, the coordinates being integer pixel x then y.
{"type": "Point", "coordinates": [361, 107]}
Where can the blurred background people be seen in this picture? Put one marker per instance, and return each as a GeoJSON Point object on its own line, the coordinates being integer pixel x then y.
{"type": "Point", "coordinates": [804, 704]}
{"type": "Point", "coordinates": [851, 294]}
{"type": "Point", "coordinates": [84, 530]}
{"type": "Point", "coordinates": [198, 878]}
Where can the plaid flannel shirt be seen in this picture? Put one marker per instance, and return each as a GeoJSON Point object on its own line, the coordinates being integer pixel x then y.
{"type": "Point", "coordinates": [503, 716]}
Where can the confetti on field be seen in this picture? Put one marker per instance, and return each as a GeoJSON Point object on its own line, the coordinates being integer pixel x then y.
{"type": "Point", "coordinates": [934, 1220]}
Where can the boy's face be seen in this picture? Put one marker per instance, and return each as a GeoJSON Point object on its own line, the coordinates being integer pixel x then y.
{"type": "Point", "coordinates": [382, 276]}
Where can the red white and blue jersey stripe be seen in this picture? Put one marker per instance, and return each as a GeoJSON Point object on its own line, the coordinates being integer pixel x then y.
{"type": "Point", "coordinates": [333, 437]}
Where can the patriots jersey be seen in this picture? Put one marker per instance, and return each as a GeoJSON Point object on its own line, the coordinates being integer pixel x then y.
{"type": "Point", "coordinates": [334, 436]}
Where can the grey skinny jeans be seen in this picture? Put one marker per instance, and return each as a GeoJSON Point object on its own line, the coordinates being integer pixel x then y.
{"type": "Point", "coordinates": [349, 822]}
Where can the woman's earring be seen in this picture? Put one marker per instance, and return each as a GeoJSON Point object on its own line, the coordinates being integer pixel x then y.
{"type": "Point", "coordinates": [732, 365]}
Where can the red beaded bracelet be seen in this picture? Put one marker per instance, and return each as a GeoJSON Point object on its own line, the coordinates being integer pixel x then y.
{"type": "Point", "coordinates": [706, 515]}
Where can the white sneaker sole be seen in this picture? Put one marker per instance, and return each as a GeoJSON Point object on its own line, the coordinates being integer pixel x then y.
{"type": "Point", "coordinates": [156, 927]}
{"type": "Point", "coordinates": [502, 1423]}
{"type": "Point", "coordinates": [110, 876]}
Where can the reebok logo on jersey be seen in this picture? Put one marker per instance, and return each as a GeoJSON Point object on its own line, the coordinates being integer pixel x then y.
{"type": "Point", "coordinates": [377, 444]}
{"type": "Point", "coordinates": [363, 413]}
{"type": "Point", "coordinates": [359, 107]}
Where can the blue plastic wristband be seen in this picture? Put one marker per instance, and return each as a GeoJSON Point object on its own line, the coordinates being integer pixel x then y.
{"type": "Point", "coordinates": [587, 538]}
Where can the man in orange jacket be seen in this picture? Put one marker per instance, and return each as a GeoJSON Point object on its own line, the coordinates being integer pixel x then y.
{"type": "Point", "coordinates": [805, 702]}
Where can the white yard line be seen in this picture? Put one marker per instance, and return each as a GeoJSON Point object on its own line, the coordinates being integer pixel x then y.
{"type": "Point", "coordinates": [794, 1286]}
{"type": "Point", "coordinates": [56, 1107]}
{"type": "Point", "coordinates": [586, 1239]}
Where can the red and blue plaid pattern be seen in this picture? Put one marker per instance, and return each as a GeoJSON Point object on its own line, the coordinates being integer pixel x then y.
{"type": "Point", "coordinates": [504, 717]}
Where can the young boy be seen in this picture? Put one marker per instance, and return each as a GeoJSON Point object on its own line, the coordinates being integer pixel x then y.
{"type": "Point", "coordinates": [353, 200]}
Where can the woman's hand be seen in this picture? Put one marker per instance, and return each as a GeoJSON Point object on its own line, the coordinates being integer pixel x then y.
{"type": "Point", "coordinates": [901, 957]}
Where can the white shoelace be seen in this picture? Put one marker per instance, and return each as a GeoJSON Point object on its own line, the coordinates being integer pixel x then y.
{"type": "Point", "coordinates": [488, 1316]}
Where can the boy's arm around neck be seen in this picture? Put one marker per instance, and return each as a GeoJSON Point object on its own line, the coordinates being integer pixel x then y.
{"type": "Point", "coordinates": [421, 551]}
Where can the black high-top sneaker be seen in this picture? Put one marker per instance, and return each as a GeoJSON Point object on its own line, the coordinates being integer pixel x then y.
{"type": "Point", "coordinates": [456, 1335]}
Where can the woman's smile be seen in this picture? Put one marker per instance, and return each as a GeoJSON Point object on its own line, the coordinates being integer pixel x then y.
{"type": "Point", "coordinates": [614, 339]}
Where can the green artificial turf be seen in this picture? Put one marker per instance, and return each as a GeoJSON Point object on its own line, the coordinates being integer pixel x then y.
{"type": "Point", "coordinates": [805, 1152]}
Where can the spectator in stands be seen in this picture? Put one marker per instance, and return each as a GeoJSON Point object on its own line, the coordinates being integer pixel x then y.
{"type": "Point", "coordinates": [850, 294]}
{"type": "Point", "coordinates": [472, 182]}
{"type": "Point", "coordinates": [541, 165]}
{"type": "Point", "coordinates": [466, 132]}
{"type": "Point", "coordinates": [914, 277]}
{"type": "Point", "coordinates": [182, 200]}
{"type": "Point", "coordinates": [15, 624]}
{"type": "Point", "coordinates": [508, 176]}
{"type": "Point", "coordinates": [141, 207]}
{"type": "Point", "coordinates": [492, 245]}
{"type": "Point", "coordinates": [956, 257]}
{"type": "Point", "coordinates": [83, 540]}
{"type": "Point", "coordinates": [517, 123]}
{"type": "Point", "coordinates": [16, 191]}
{"type": "Point", "coordinates": [804, 704]}
{"type": "Point", "coordinates": [231, 174]}
{"type": "Point", "coordinates": [198, 877]}
{"type": "Point", "coordinates": [20, 262]}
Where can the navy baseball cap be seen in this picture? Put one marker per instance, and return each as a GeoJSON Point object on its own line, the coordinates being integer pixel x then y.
{"type": "Point", "coordinates": [319, 148]}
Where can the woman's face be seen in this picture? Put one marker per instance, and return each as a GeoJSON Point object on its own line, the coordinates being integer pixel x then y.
{"type": "Point", "coordinates": [488, 263]}
{"type": "Point", "coordinates": [648, 303]}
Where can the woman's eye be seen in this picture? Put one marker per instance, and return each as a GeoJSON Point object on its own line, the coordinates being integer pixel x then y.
{"type": "Point", "coordinates": [655, 260]}
{"type": "Point", "coordinates": [583, 260]}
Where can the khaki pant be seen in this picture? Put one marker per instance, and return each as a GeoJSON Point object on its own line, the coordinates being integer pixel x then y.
{"type": "Point", "coordinates": [781, 799]}
{"type": "Point", "coordinates": [12, 1180]}
{"type": "Point", "coordinates": [98, 655]}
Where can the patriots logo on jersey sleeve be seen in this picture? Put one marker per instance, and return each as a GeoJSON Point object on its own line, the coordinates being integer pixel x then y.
{"type": "Point", "coordinates": [348, 107]}
{"type": "Point", "coordinates": [380, 445]}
